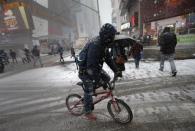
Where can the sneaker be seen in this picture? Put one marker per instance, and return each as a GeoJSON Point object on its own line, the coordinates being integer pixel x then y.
{"type": "Point", "coordinates": [90, 116]}
{"type": "Point", "coordinates": [174, 74]}
{"type": "Point", "coordinates": [160, 69]}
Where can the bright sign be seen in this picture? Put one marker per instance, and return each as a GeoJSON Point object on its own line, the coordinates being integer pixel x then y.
{"type": "Point", "coordinates": [10, 20]}
{"type": "Point", "coordinates": [125, 26]}
{"type": "Point", "coordinates": [15, 19]}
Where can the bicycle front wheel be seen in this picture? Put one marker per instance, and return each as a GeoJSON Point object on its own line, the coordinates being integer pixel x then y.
{"type": "Point", "coordinates": [120, 111]}
{"type": "Point", "coordinates": [74, 103]}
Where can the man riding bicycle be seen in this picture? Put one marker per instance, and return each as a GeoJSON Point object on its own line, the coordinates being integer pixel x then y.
{"type": "Point", "coordinates": [92, 73]}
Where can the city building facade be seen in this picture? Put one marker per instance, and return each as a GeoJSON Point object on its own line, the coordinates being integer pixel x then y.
{"type": "Point", "coordinates": [130, 10]}
{"type": "Point", "coordinates": [177, 14]}
{"type": "Point", "coordinates": [116, 17]}
{"type": "Point", "coordinates": [147, 18]}
{"type": "Point", "coordinates": [26, 23]}
{"type": "Point", "coordinates": [88, 22]}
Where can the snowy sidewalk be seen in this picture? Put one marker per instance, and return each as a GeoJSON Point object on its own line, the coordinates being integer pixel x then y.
{"type": "Point", "coordinates": [151, 69]}
{"type": "Point", "coordinates": [69, 74]}
{"type": "Point", "coordinates": [148, 69]}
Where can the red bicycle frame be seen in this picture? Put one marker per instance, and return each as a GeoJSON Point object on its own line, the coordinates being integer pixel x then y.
{"type": "Point", "coordinates": [107, 94]}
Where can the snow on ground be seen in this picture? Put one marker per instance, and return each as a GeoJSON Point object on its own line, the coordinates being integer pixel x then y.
{"type": "Point", "coordinates": [151, 69]}
{"type": "Point", "coordinates": [69, 75]}
{"type": "Point", "coordinates": [68, 59]}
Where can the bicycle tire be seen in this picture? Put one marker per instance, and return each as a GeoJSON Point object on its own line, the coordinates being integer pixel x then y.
{"type": "Point", "coordinates": [80, 105]}
{"type": "Point", "coordinates": [121, 104]}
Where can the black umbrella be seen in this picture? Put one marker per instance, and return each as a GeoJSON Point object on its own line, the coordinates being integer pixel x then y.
{"type": "Point", "coordinates": [123, 40]}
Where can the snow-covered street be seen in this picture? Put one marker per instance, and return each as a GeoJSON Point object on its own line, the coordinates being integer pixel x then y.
{"type": "Point", "coordinates": [35, 99]}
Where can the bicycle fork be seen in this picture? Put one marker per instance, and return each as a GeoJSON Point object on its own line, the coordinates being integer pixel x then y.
{"type": "Point", "coordinates": [115, 104]}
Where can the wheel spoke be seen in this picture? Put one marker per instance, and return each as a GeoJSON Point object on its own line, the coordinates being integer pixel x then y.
{"type": "Point", "coordinates": [75, 104]}
{"type": "Point", "coordinates": [120, 111]}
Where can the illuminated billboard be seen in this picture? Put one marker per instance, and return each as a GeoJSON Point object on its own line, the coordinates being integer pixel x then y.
{"type": "Point", "coordinates": [15, 19]}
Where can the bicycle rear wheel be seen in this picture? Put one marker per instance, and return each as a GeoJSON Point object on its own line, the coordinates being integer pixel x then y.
{"type": "Point", "coordinates": [120, 111]}
{"type": "Point", "coordinates": [74, 103]}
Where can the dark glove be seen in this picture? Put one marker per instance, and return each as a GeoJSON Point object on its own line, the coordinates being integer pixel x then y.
{"type": "Point", "coordinates": [117, 74]}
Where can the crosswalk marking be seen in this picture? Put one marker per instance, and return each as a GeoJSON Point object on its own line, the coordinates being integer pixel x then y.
{"type": "Point", "coordinates": [12, 101]}
{"type": "Point", "coordinates": [44, 106]}
{"type": "Point", "coordinates": [23, 91]}
{"type": "Point", "coordinates": [30, 103]}
{"type": "Point", "coordinates": [142, 104]}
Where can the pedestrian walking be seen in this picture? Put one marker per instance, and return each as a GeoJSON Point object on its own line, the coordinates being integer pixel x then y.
{"type": "Point", "coordinates": [27, 55]}
{"type": "Point", "coordinates": [13, 56]}
{"type": "Point", "coordinates": [168, 42]}
{"type": "Point", "coordinates": [136, 51]}
{"type": "Point", "coordinates": [4, 56]}
{"type": "Point", "coordinates": [36, 56]}
{"type": "Point", "coordinates": [72, 52]}
{"type": "Point", "coordinates": [22, 56]}
{"type": "Point", "coordinates": [52, 50]}
{"type": "Point", "coordinates": [61, 51]}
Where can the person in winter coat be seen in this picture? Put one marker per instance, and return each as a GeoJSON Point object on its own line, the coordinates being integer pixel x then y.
{"type": "Point", "coordinates": [72, 52]}
{"type": "Point", "coordinates": [36, 56]}
{"type": "Point", "coordinates": [61, 51]}
{"type": "Point", "coordinates": [13, 56]}
{"type": "Point", "coordinates": [136, 51]}
{"type": "Point", "coordinates": [92, 73]}
{"type": "Point", "coordinates": [22, 56]}
{"type": "Point", "coordinates": [168, 42]}
{"type": "Point", "coordinates": [28, 55]}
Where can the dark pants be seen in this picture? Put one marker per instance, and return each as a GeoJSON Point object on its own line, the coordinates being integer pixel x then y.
{"type": "Point", "coordinates": [61, 57]}
{"type": "Point", "coordinates": [170, 57]}
{"type": "Point", "coordinates": [28, 58]}
{"type": "Point", "coordinates": [89, 87]}
{"type": "Point", "coordinates": [137, 59]}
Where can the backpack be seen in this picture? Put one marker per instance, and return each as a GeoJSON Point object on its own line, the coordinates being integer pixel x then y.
{"type": "Point", "coordinates": [81, 59]}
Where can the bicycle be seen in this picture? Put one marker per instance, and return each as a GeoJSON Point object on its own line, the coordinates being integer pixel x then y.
{"type": "Point", "coordinates": [115, 106]}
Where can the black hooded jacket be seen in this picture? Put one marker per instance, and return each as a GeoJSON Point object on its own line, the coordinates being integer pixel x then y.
{"type": "Point", "coordinates": [167, 43]}
{"type": "Point", "coordinates": [96, 56]}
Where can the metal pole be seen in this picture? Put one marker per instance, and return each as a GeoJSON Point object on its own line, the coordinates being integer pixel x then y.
{"type": "Point", "coordinates": [98, 13]}
{"type": "Point", "coordinates": [140, 26]}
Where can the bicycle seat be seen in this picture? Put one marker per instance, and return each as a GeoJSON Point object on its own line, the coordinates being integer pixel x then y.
{"type": "Point", "coordinates": [80, 83]}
